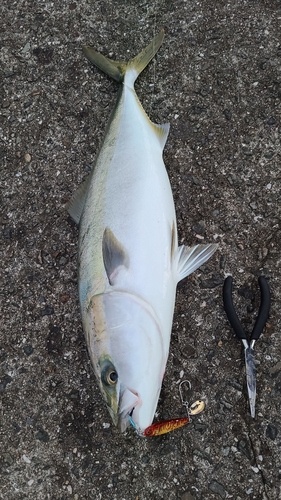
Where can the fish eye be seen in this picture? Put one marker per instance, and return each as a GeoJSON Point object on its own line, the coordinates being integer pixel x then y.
{"type": "Point", "coordinates": [109, 375]}
{"type": "Point", "coordinates": [112, 377]}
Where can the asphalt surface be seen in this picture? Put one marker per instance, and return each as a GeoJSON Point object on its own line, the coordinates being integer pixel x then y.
{"type": "Point", "coordinates": [217, 80]}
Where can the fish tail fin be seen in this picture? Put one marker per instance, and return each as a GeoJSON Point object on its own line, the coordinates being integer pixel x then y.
{"type": "Point", "coordinates": [115, 69]}
{"type": "Point", "coordinates": [138, 63]}
{"type": "Point", "coordinates": [121, 71]}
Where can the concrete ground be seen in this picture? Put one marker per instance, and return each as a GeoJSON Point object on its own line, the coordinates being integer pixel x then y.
{"type": "Point", "coordinates": [217, 80]}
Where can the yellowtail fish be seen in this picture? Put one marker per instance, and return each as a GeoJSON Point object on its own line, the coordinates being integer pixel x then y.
{"type": "Point", "coordinates": [129, 258]}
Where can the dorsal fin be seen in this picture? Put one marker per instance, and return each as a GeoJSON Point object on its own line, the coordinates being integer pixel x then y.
{"type": "Point", "coordinates": [114, 255]}
{"type": "Point", "coordinates": [77, 201]}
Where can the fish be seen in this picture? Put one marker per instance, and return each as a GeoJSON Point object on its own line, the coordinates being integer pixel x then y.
{"type": "Point", "coordinates": [129, 260]}
{"type": "Point", "coordinates": [165, 426]}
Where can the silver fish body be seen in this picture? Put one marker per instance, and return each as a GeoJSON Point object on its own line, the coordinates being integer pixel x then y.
{"type": "Point", "coordinates": [129, 259]}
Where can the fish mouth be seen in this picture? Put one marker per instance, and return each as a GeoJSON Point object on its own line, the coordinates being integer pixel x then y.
{"type": "Point", "coordinates": [127, 403]}
{"type": "Point", "coordinates": [139, 416]}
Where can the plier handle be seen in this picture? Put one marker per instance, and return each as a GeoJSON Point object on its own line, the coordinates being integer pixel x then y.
{"type": "Point", "coordinates": [241, 334]}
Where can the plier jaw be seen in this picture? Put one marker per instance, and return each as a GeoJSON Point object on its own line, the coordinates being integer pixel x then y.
{"type": "Point", "coordinates": [240, 332]}
{"type": "Point", "coordinates": [251, 378]}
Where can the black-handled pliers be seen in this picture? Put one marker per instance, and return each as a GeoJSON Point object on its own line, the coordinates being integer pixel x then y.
{"type": "Point", "coordinates": [241, 334]}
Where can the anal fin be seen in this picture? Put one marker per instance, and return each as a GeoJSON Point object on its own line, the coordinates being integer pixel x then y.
{"type": "Point", "coordinates": [162, 132]}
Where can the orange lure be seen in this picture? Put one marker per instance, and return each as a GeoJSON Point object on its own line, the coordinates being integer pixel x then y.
{"type": "Point", "coordinates": [165, 426]}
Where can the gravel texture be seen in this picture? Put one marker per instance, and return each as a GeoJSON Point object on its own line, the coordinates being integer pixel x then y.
{"type": "Point", "coordinates": [217, 80]}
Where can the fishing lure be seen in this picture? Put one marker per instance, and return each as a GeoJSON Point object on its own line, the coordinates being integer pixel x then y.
{"type": "Point", "coordinates": [172, 424]}
{"type": "Point", "coordinates": [165, 426]}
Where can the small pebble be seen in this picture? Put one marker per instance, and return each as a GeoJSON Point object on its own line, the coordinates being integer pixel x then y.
{"type": "Point", "coordinates": [7, 458]}
{"type": "Point", "coordinates": [26, 48]}
{"type": "Point", "coordinates": [217, 488]}
{"type": "Point", "coordinates": [181, 471]}
{"type": "Point", "coordinates": [245, 448]}
{"type": "Point", "coordinates": [26, 459]}
{"type": "Point", "coordinates": [222, 261]}
{"type": "Point", "coordinates": [28, 349]}
{"type": "Point", "coordinates": [43, 436]}
{"type": "Point", "coordinates": [187, 496]}
{"type": "Point", "coordinates": [255, 469]}
{"type": "Point", "coordinates": [63, 260]}
{"type": "Point", "coordinates": [271, 432]}
{"type": "Point", "coordinates": [48, 311]}
{"type": "Point", "coordinates": [225, 451]}
{"type": "Point", "coordinates": [227, 114]}
{"type": "Point", "coordinates": [268, 155]}
{"type": "Point", "coordinates": [27, 158]}
{"type": "Point", "coordinates": [64, 298]}
{"type": "Point", "coordinates": [4, 382]}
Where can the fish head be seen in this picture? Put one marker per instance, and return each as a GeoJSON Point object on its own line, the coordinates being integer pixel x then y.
{"type": "Point", "coordinates": [126, 348]}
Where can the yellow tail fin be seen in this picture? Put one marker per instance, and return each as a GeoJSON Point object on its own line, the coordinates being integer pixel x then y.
{"type": "Point", "coordinates": [117, 69]}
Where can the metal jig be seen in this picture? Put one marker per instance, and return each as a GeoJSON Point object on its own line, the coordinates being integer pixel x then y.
{"type": "Point", "coordinates": [197, 407]}
{"type": "Point", "coordinates": [165, 426]}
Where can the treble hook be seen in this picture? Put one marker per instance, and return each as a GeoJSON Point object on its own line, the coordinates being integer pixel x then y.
{"type": "Point", "coordinates": [183, 401]}
{"type": "Point", "coordinates": [196, 407]}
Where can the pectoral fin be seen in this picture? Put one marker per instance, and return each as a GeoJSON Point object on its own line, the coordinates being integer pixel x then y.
{"type": "Point", "coordinates": [190, 258]}
{"type": "Point", "coordinates": [115, 257]}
